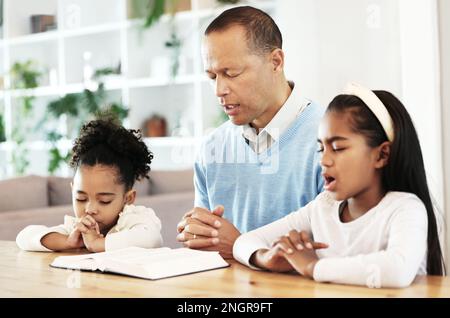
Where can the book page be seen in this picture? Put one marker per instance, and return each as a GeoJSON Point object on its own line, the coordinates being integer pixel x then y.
{"type": "Point", "coordinates": [93, 260]}
{"type": "Point", "coordinates": [145, 263]}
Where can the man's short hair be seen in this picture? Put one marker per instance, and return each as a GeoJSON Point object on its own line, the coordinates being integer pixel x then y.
{"type": "Point", "coordinates": [263, 35]}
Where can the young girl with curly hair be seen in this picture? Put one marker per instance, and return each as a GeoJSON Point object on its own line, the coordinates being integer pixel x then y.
{"type": "Point", "coordinates": [107, 159]}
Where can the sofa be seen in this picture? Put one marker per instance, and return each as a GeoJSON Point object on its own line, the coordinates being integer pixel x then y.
{"type": "Point", "coordinates": [45, 200]}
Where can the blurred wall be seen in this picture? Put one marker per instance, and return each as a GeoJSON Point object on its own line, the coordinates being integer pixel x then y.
{"type": "Point", "coordinates": [444, 37]}
{"type": "Point", "coordinates": [383, 44]}
{"type": "Point", "coordinates": [329, 43]}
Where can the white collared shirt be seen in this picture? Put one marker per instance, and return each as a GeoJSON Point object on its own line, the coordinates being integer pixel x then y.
{"type": "Point", "coordinates": [292, 108]}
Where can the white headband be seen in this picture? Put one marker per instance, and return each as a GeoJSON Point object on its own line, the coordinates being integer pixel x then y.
{"type": "Point", "coordinates": [375, 105]}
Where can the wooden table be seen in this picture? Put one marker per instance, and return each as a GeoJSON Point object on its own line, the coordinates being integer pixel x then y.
{"type": "Point", "coordinates": [28, 274]}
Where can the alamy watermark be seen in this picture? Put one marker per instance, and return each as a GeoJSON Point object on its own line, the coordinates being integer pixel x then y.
{"type": "Point", "coordinates": [231, 148]}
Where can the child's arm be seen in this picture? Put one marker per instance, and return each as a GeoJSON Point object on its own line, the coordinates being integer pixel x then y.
{"type": "Point", "coordinates": [59, 242]}
{"type": "Point", "coordinates": [94, 242]}
{"type": "Point", "coordinates": [282, 257]}
{"type": "Point", "coordinates": [271, 260]}
{"type": "Point", "coordinates": [138, 226]}
{"type": "Point", "coordinates": [90, 234]}
{"type": "Point", "coordinates": [249, 248]}
{"type": "Point", "coordinates": [30, 238]}
{"type": "Point", "coordinates": [394, 267]}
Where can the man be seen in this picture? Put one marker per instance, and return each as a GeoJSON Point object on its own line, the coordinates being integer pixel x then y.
{"type": "Point", "coordinates": [263, 163]}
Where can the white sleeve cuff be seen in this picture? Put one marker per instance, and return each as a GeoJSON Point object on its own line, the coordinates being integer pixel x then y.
{"type": "Point", "coordinates": [29, 239]}
{"type": "Point", "coordinates": [243, 249]}
{"type": "Point", "coordinates": [320, 271]}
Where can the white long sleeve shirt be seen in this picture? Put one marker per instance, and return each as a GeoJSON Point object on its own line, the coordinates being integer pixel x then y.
{"type": "Point", "coordinates": [386, 247]}
{"type": "Point", "coordinates": [137, 226]}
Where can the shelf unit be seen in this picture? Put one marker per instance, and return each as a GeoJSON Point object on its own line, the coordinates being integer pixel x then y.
{"type": "Point", "coordinates": [106, 29]}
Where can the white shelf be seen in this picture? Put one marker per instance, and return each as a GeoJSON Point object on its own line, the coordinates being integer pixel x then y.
{"type": "Point", "coordinates": [110, 84]}
{"type": "Point", "coordinates": [131, 23]}
{"type": "Point", "coordinates": [89, 30]}
{"type": "Point", "coordinates": [97, 29]}
{"type": "Point", "coordinates": [156, 82]}
{"type": "Point", "coordinates": [180, 16]}
{"type": "Point", "coordinates": [212, 12]}
{"type": "Point", "coordinates": [39, 91]}
{"type": "Point", "coordinates": [5, 146]}
{"type": "Point", "coordinates": [49, 91]}
{"type": "Point", "coordinates": [38, 145]}
{"type": "Point", "coordinates": [171, 141]}
{"type": "Point", "coordinates": [184, 101]}
{"type": "Point", "coordinates": [68, 144]}
{"type": "Point", "coordinates": [31, 38]}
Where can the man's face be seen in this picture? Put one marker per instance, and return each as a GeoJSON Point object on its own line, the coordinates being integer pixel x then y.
{"type": "Point", "coordinates": [243, 81]}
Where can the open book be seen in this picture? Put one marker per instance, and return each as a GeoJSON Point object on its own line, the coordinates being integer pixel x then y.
{"type": "Point", "coordinates": [144, 263]}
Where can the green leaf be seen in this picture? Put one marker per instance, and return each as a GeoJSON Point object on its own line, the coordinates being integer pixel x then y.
{"type": "Point", "coordinates": [25, 75]}
{"type": "Point", "coordinates": [155, 13]}
{"type": "Point", "coordinates": [80, 108]}
{"type": "Point", "coordinates": [115, 111]}
{"type": "Point", "coordinates": [65, 105]}
{"type": "Point", "coordinates": [107, 71]}
{"type": "Point", "coordinates": [55, 160]}
{"type": "Point", "coordinates": [2, 129]}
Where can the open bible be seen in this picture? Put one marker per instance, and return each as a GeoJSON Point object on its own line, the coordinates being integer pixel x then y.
{"type": "Point", "coordinates": [144, 263]}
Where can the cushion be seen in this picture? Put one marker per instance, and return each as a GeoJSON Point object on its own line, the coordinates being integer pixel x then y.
{"type": "Point", "coordinates": [169, 208]}
{"type": "Point", "coordinates": [171, 181]}
{"type": "Point", "coordinates": [11, 223]}
{"type": "Point", "coordinates": [142, 187]}
{"type": "Point", "coordinates": [28, 192]}
{"type": "Point", "coordinates": [59, 191]}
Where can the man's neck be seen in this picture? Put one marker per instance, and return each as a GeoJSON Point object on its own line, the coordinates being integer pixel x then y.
{"type": "Point", "coordinates": [261, 122]}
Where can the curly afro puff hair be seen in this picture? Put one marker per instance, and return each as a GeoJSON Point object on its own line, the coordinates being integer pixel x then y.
{"type": "Point", "coordinates": [105, 142]}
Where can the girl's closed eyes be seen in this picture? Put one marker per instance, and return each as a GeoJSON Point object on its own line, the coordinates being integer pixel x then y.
{"type": "Point", "coordinates": [375, 218]}
{"type": "Point", "coordinates": [107, 159]}
{"type": "Point", "coordinates": [333, 148]}
{"type": "Point", "coordinates": [102, 202]}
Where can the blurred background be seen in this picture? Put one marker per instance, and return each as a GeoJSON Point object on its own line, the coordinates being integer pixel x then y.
{"type": "Point", "coordinates": [64, 62]}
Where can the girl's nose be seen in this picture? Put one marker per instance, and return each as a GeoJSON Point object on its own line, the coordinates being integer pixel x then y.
{"type": "Point", "coordinates": [91, 209]}
{"type": "Point", "coordinates": [326, 160]}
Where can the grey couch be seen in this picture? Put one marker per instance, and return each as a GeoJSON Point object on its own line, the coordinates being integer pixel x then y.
{"type": "Point", "coordinates": [45, 200]}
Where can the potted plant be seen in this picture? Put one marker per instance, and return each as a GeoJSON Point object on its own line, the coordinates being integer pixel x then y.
{"type": "Point", "coordinates": [152, 10]}
{"type": "Point", "coordinates": [24, 75]}
{"type": "Point", "coordinates": [79, 108]}
{"type": "Point", "coordinates": [155, 10]}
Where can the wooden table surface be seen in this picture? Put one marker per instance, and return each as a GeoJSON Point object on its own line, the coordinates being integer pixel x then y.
{"type": "Point", "coordinates": [28, 274]}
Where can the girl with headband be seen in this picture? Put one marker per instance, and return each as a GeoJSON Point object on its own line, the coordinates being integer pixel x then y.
{"type": "Point", "coordinates": [374, 224]}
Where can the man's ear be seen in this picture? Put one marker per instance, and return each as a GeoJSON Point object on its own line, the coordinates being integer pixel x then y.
{"type": "Point", "coordinates": [277, 59]}
{"type": "Point", "coordinates": [130, 197]}
{"type": "Point", "coordinates": [383, 154]}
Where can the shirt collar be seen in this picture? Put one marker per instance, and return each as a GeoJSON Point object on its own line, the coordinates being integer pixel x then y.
{"type": "Point", "coordinates": [282, 119]}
